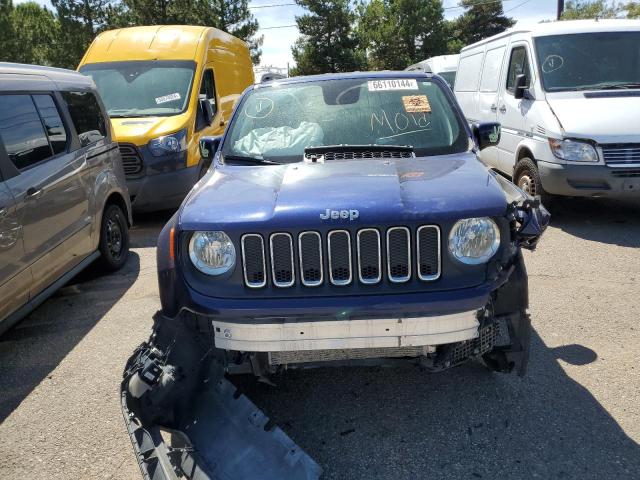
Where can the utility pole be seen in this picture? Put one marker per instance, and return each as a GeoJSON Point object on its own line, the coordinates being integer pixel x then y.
{"type": "Point", "coordinates": [560, 8]}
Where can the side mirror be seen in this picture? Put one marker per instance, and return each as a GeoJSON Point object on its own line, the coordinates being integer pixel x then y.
{"type": "Point", "coordinates": [486, 134]}
{"type": "Point", "coordinates": [207, 111]}
{"type": "Point", "coordinates": [208, 147]}
{"type": "Point", "coordinates": [521, 86]}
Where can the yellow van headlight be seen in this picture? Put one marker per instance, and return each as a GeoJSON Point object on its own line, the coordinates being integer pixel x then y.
{"type": "Point", "coordinates": [166, 144]}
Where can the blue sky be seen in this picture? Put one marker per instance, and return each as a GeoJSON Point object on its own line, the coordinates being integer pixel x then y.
{"type": "Point", "coordinates": [276, 50]}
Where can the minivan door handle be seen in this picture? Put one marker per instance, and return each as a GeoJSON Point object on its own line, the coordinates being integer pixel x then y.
{"type": "Point", "coordinates": [33, 192]}
{"type": "Point", "coordinates": [503, 109]}
{"type": "Point", "coordinates": [493, 107]}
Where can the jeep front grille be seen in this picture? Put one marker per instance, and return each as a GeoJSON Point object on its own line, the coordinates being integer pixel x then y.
{"type": "Point", "coordinates": [310, 254]}
{"type": "Point", "coordinates": [253, 261]}
{"type": "Point", "coordinates": [342, 257]}
{"type": "Point", "coordinates": [282, 267]}
{"type": "Point", "coordinates": [369, 258]}
{"type": "Point", "coordinates": [131, 159]}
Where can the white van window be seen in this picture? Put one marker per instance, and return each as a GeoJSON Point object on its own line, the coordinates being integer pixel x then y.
{"type": "Point", "coordinates": [518, 65]}
{"type": "Point", "coordinates": [491, 70]}
{"type": "Point", "coordinates": [469, 73]}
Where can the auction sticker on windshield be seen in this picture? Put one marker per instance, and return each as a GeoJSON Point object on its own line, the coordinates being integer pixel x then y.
{"type": "Point", "coordinates": [399, 84]}
{"type": "Point", "coordinates": [416, 104]}
{"type": "Point", "coordinates": [168, 98]}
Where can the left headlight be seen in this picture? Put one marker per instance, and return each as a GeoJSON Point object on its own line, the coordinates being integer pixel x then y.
{"type": "Point", "coordinates": [212, 253]}
{"type": "Point", "coordinates": [173, 143]}
{"type": "Point", "coordinates": [474, 240]}
{"type": "Point", "coordinates": [573, 150]}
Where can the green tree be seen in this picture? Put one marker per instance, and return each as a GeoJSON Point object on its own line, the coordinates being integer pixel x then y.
{"type": "Point", "coordinates": [234, 17]}
{"type": "Point", "coordinates": [479, 21]}
{"type": "Point", "coordinates": [633, 9]}
{"type": "Point", "coordinates": [327, 42]}
{"type": "Point", "coordinates": [35, 30]}
{"type": "Point", "coordinates": [79, 22]}
{"type": "Point", "coordinates": [578, 10]}
{"type": "Point", "coordinates": [7, 32]}
{"type": "Point", "coordinates": [397, 33]}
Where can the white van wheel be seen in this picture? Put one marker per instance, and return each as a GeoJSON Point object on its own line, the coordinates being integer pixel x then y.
{"type": "Point", "coordinates": [526, 176]}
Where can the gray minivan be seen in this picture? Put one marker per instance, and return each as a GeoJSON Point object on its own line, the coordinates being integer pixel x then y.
{"type": "Point", "coordinates": [63, 197]}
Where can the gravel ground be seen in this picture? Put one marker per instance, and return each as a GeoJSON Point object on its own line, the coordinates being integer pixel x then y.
{"type": "Point", "coordinates": [575, 415]}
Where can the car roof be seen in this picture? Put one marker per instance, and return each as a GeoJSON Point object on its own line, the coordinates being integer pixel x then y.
{"type": "Point", "coordinates": [386, 74]}
{"type": "Point", "coordinates": [20, 77]}
{"type": "Point", "coordinates": [565, 27]}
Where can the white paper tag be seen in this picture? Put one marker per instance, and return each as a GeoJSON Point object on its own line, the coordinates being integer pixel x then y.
{"type": "Point", "coordinates": [168, 98]}
{"type": "Point", "coordinates": [395, 84]}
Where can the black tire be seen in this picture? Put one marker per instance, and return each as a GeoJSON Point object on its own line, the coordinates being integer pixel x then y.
{"type": "Point", "coordinates": [114, 239]}
{"type": "Point", "coordinates": [527, 177]}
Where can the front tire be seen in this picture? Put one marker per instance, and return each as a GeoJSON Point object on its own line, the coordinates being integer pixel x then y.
{"type": "Point", "coordinates": [114, 239]}
{"type": "Point", "coordinates": [527, 177]}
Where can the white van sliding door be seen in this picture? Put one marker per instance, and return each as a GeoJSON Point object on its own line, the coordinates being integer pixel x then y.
{"type": "Point", "coordinates": [511, 111]}
{"type": "Point", "coordinates": [489, 96]}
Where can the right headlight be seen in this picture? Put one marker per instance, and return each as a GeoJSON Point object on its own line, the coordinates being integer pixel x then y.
{"type": "Point", "coordinates": [212, 253]}
{"type": "Point", "coordinates": [573, 150]}
{"type": "Point", "coordinates": [474, 240]}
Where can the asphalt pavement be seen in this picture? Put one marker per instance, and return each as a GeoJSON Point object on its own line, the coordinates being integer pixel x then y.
{"type": "Point", "coordinates": [575, 415]}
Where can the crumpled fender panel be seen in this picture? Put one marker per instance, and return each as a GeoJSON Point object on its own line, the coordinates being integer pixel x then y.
{"type": "Point", "coordinates": [203, 429]}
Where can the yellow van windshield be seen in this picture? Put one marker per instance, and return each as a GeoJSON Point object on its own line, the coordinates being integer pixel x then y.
{"type": "Point", "coordinates": [143, 88]}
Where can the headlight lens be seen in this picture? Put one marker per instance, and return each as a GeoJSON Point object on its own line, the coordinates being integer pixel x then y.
{"type": "Point", "coordinates": [212, 253]}
{"type": "Point", "coordinates": [474, 240]}
{"type": "Point", "coordinates": [174, 143]}
{"type": "Point", "coordinates": [573, 150]}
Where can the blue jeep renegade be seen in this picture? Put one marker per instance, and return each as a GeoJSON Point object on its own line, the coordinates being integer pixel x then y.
{"type": "Point", "coordinates": [344, 219]}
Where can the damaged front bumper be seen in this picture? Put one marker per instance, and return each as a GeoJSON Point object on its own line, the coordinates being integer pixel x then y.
{"type": "Point", "coordinates": [189, 422]}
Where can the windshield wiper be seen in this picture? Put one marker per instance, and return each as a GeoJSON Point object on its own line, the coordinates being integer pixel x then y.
{"type": "Point", "coordinates": [252, 160]}
{"type": "Point", "coordinates": [375, 147]}
{"type": "Point", "coordinates": [609, 86]}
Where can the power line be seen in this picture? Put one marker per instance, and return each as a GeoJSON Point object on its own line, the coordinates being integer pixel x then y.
{"type": "Point", "coordinates": [274, 5]}
{"type": "Point", "coordinates": [279, 26]}
{"type": "Point", "coordinates": [517, 6]}
{"type": "Point", "coordinates": [483, 2]}
{"type": "Point", "coordinates": [479, 3]}
{"type": "Point", "coordinates": [447, 8]}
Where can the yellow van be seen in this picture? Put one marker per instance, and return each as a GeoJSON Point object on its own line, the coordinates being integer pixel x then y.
{"type": "Point", "coordinates": [164, 87]}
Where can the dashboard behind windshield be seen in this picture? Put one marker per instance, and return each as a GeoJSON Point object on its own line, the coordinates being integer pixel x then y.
{"type": "Point", "coordinates": [277, 123]}
{"type": "Point", "coordinates": [586, 61]}
{"type": "Point", "coordinates": [143, 88]}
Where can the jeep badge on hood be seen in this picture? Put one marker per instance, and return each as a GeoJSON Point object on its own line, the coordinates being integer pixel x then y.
{"type": "Point", "coordinates": [343, 214]}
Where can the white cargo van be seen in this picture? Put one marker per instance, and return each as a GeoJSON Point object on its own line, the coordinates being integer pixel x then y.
{"type": "Point", "coordinates": [443, 65]}
{"type": "Point", "coordinates": [568, 97]}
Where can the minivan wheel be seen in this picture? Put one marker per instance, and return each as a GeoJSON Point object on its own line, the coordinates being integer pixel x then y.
{"type": "Point", "coordinates": [114, 239]}
{"type": "Point", "coordinates": [526, 176]}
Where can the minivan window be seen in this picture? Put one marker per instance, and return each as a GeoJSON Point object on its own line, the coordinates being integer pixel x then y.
{"type": "Point", "coordinates": [86, 116]}
{"type": "Point", "coordinates": [518, 65]}
{"type": "Point", "coordinates": [52, 122]}
{"type": "Point", "coordinates": [22, 132]}
{"type": "Point", "coordinates": [277, 123]}
{"type": "Point", "coordinates": [143, 88]}
{"type": "Point", "coordinates": [612, 61]}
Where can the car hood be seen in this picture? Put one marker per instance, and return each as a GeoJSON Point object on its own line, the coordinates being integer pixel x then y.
{"type": "Point", "coordinates": [140, 131]}
{"type": "Point", "coordinates": [426, 189]}
{"type": "Point", "coordinates": [609, 119]}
